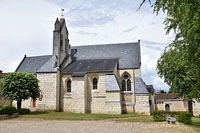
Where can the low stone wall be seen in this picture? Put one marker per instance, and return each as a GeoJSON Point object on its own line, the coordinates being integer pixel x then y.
{"type": "Point", "coordinates": [4, 117]}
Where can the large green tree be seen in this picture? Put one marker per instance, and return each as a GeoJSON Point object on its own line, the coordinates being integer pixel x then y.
{"type": "Point", "coordinates": [183, 17]}
{"type": "Point", "coordinates": [20, 86]}
{"type": "Point", "coordinates": [1, 86]}
{"type": "Point", "coordinates": [177, 71]}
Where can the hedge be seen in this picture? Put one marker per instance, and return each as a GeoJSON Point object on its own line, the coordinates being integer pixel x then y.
{"type": "Point", "coordinates": [183, 117]}
{"type": "Point", "coordinates": [9, 110]}
{"type": "Point", "coordinates": [23, 111]}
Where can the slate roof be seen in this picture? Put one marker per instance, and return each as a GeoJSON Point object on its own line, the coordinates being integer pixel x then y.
{"type": "Point", "coordinates": [111, 83]}
{"type": "Point", "coordinates": [140, 87]}
{"type": "Point", "coordinates": [150, 88]}
{"type": "Point", "coordinates": [78, 74]}
{"type": "Point", "coordinates": [166, 96]}
{"type": "Point", "coordinates": [48, 66]}
{"type": "Point", "coordinates": [33, 64]}
{"type": "Point", "coordinates": [95, 65]}
{"type": "Point", "coordinates": [127, 53]}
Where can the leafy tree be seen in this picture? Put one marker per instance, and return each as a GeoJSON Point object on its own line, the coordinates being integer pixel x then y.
{"type": "Point", "coordinates": [1, 86]}
{"type": "Point", "coordinates": [183, 17]}
{"type": "Point", "coordinates": [177, 72]}
{"type": "Point", "coordinates": [20, 86]}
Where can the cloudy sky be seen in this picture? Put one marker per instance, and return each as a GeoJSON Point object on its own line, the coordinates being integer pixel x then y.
{"type": "Point", "coordinates": [26, 27]}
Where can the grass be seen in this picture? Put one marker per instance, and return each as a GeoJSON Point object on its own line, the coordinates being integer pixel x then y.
{"type": "Point", "coordinates": [74, 116]}
{"type": "Point", "coordinates": [196, 123]}
{"type": "Point", "coordinates": [139, 118]}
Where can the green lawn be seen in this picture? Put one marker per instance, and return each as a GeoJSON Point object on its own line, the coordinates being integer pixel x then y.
{"type": "Point", "coordinates": [74, 116]}
{"type": "Point", "coordinates": [139, 118]}
{"type": "Point", "coordinates": [196, 123]}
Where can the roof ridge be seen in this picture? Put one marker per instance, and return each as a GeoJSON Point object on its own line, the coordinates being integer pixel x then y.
{"type": "Point", "coordinates": [97, 59]}
{"type": "Point", "coordinates": [37, 56]}
{"type": "Point", "coordinates": [106, 44]}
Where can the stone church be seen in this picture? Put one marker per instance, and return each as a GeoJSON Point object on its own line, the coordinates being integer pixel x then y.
{"type": "Point", "coordinates": [88, 79]}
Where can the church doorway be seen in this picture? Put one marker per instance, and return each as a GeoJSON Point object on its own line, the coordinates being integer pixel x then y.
{"type": "Point", "coordinates": [167, 107]}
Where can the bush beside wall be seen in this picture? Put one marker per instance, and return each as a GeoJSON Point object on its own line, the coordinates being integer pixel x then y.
{"type": "Point", "coordinates": [9, 110]}
{"type": "Point", "coordinates": [183, 117]}
{"type": "Point", "coordinates": [159, 115]}
{"type": "Point", "coordinates": [23, 111]}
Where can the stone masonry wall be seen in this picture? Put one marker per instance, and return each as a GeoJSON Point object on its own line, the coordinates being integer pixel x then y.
{"type": "Point", "coordinates": [113, 103]}
{"type": "Point", "coordinates": [47, 83]}
{"type": "Point", "coordinates": [127, 98]}
{"type": "Point", "coordinates": [97, 97]}
{"type": "Point", "coordinates": [196, 108]}
{"type": "Point", "coordinates": [175, 105]}
{"type": "Point", "coordinates": [74, 101]}
{"type": "Point", "coordinates": [142, 104]}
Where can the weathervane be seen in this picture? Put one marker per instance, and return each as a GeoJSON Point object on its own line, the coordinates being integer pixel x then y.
{"type": "Point", "coordinates": [62, 12]}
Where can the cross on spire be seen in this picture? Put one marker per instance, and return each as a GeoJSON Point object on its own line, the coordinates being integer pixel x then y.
{"type": "Point", "coordinates": [62, 12]}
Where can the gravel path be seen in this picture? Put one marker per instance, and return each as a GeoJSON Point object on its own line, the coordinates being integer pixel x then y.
{"type": "Point", "coordinates": [28, 125]}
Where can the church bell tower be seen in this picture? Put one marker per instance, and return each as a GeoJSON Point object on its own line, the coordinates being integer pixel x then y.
{"type": "Point", "coordinates": [61, 49]}
{"type": "Point", "coordinates": [60, 40]}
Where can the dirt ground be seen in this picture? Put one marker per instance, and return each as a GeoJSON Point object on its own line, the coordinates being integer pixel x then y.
{"type": "Point", "coordinates": [29, 125]}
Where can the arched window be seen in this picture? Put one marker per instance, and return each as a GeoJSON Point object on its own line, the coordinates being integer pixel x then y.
{"type": "Point", "coordinates": [95, 82]}
{"type": "Point", "coordinates": [123, 85]}
{"type": "Point", "coordinates": [167, 107]}
{"type": "Point", "coordinates": [69, 85]}
{"type": "Point", "coordinates": [126, 83]}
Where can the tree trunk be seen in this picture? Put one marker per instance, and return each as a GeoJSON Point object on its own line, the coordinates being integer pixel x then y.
{"type": "Point", "coordinates": [19, 103]}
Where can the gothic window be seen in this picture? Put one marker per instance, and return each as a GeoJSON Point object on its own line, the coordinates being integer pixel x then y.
{"type": "Point", "coordinates": [123, 85]}
{"type": "Point", "coordinates": [126, 83]}
{"type": "Point", "coordinates": [95, 82]}
{"type": "Point", "coordinates": [69, 85]}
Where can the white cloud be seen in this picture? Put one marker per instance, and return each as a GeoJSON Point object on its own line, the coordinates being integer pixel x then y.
{"type": "Point", "coordinates": [26, 28]}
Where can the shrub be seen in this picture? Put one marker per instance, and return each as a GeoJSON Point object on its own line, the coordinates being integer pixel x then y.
{"type": "Point", "coordinates": [159, 115]}
{"type": "Point", "coordinates": [184, 117]}
{"type": "Point", "coordinates": [9, 110]}
{"type": "Point", "coordinates": [23, 111]}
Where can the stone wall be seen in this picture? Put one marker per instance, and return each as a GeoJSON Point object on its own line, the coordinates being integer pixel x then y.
{"type": "Point", "coordinates": [47, 83]}
{"type": "Point", "coordinates": [142, 104]}
{"type": "Point", "coordinates": [175, 105]}
{"type": "Point", "coordinates": [113, 103]}
{"type": "Point", "coordinates": [127, 98]}
{"type": "Point", "coordinates": [137, 73]}
{"type": "Point", "coordinates": [97, 97]}
{"type": "Point", "coordinates": [74, 101]}
{"type": "Point", "coordinates": [196, 108]}
{"type": "Point", "coordinates": [83, 98]}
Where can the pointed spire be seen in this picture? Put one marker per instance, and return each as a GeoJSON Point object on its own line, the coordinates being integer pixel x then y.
{"type": "Point", "coordinates": [57, 25]}
{"type": "Point", "coordinates": [57, 21]}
